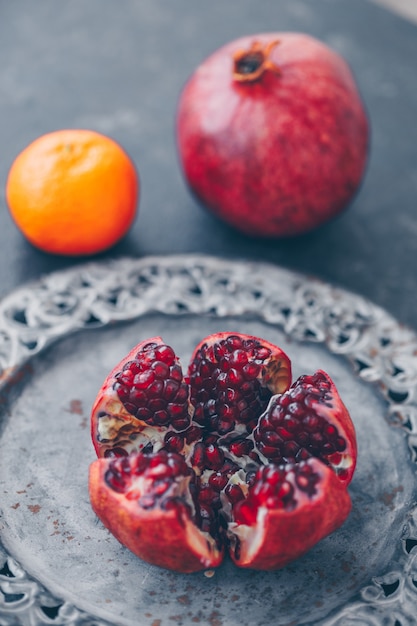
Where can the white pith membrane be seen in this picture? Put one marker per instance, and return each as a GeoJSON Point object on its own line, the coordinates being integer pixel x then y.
{"type": "Point", "coordinates": [117, 428]}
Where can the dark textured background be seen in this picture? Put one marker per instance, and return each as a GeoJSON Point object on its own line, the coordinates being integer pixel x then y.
{"type": "Point", "coordinates": [118, 68]}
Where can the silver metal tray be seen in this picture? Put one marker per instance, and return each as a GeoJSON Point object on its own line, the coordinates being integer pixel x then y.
{"type": "Point", "coordinates": [60, 336]}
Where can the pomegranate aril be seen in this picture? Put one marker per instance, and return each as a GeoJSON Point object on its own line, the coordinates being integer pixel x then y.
{"type": "Point", "coordinates": [240, 447]}
{"type": "Point", "coordinates": [302, 455]}
{"type": "Point", "coordinates": [193, 433]}
{"type": "Point", "coordinates": [160, 369]}
{"type": "Point", "coordinates": [180, 423]}
{"type": "Point", "coordinates": [271, 438]}
{"type": "Point", "coordinates": [234, 378]}
{"type": "Point", "coordinates": [227, 412]}
{"type": "Point", "coordinates": [270, 452]}
{"type": "Point", "coordinates": [234, 493]}
{"type": "Point", "coordinates": [209, 496]}
{"type": "Point", "coordinates": [238, 359]}
{"type": "Point", "coordinates": [144, 379]}
{"type": "Point", "coordinates": [340, 444]}
{"type": "Point", "coordinates": [156, 404]}
{"type": "Point", "coordinates": [173, 442]}
{"type": "Point", "coordinates": [177, 465]}
{"type": "Point", "coordinates": [115, 480]}
{"type": "Point", "coordinates": [170, 389]}
{"type": "Point", "coordinates": [296, 409]}
{"type": "Point", "coordinates": [214, 457]}
{"type": "Point", "coordinates": [290, 449]}
{"type": "Point", "coordinates": [175, 372]}
{"type": "Point", "coordinates": [198, 457]}
{"type": "Point", "coordinates": [306, 479]}
{"type": "Point", "coordinates": [218, 481]}
{"type": "Point", "coordinates": [251, 370]}
{"type": "Point", "coordinates": [138, 463]}
{"type": "Point", "coordinates": [142, 413]}
{"type": "Point", "coordinates": [311, 423]}
{"type": "Point", "coordinates": [223, 427]}
{"type": "Point", "coordinates": [182, 394]}
{"type": "Point", "coordinates": [165, 354]}
{"type": "Point", "coordinates": [137, 397]}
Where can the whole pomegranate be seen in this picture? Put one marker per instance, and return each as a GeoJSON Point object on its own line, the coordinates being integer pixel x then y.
{"type": "Point", "coordinates": [272, 134]}
{"type": "Point", "coordinates": [230, 457]}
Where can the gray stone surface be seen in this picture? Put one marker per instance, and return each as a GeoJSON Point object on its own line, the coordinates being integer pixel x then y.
{"type": "Point", "coordinates": [119, 67]}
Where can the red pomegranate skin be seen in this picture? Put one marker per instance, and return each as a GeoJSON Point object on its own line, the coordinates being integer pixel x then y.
{"type": "Point", "coordinates": [280, 154]}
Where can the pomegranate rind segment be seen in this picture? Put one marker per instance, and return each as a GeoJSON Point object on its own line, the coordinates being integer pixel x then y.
{"type": "Point", "coordinates": [167, 539]}
{"type": "Point", "coordinates": [279, 536]}
{"type": "Point", "coordinates": [321, 401]}
{"type": "Point", "coordinates": [277, 371]}
{"type": "Point", "coordinates": [337, 413]}
{"type": "Point", "coordinates": [113, 428]}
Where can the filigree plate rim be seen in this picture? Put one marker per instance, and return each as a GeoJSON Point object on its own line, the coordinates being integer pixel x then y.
{"type": "Point", "coordinates": [382, 352]}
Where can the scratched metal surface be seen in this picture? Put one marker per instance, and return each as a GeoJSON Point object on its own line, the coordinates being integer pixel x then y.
{"type": "Point", "coordinates": [59, 339]}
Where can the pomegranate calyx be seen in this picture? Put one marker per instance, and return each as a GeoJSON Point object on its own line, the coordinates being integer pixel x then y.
{"type": "Point", "coordinates": [249, 65]}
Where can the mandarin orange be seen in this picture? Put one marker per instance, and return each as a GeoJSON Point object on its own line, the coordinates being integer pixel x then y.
{"type": "Point", "coordinates": [73, 192]}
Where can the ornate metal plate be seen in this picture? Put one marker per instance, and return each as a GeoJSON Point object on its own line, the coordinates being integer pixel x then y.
{"type": "Point", "coordinates": [60, 336]}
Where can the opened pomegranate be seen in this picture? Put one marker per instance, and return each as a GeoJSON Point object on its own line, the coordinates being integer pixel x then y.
{"type": "Point", "coordinates": [272, 134]}
{"type": "Point", "coordinates": [229, 457]}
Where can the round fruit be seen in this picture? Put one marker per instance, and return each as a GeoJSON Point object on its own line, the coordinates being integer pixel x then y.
{"type": "Point", "coordinates": [73, 192]}
{"type": "Point", "coordinates": [230, 456]}
{"type": "Point", "coordinates": [272, 134]}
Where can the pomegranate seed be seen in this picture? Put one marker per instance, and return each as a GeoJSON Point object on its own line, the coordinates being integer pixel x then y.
{"type": "Point", "coordinates": [173, 442]}
{"type": "Point", "coordinates": [198, 458]}
{"type": "Point", "coordinates": [234, 493]}
{"type": "Point", "coordinates": [218, 481]}
{"type": "Point", "coordinates": [251, 370]}
{"type": "Point", "coordinates": [224, 427]}
{"type": "Point", "coordinates": [117, 483]}
{"type": "Point", "coordinates": [165, 354]}
{"type": "Point", "coordinates": [206, 495]}
{"type": "Point", "coordinates": [170, 388]}
{"type": "Point", "coordinates": [143, 414]}
{"type": "Point", "coordinates": [234, 377]}
{"type": "Point", "coordinates": [193, 433]}
{"type": "Point", "coordinates": [306, 480]}
{"type": "Point", "coordinates": [233, 342]}
{"type": "Point", "coordinates": [214, 457]}
{"type": "Point", "coordinates": [240, 447]}
{"type": "Point", "coordinates": [144, 379]}
{"type": "Point", "coordinates": [238, 359]}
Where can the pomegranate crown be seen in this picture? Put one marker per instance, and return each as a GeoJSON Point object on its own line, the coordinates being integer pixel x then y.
{"type": "Point", "coordinates": [250, 64]}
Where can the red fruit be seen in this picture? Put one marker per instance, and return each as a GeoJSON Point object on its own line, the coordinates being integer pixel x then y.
{"type": "Point", "coordinates": [272, 134]}
{"type": "Point", "coordinates": [241, 459]}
